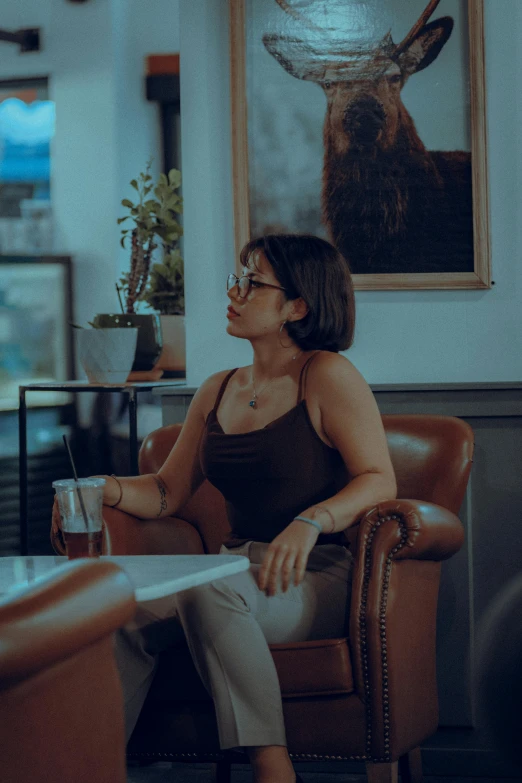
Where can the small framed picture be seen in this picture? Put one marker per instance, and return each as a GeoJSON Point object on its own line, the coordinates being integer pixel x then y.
{"type": "Point", "coordinates": [363, 121]}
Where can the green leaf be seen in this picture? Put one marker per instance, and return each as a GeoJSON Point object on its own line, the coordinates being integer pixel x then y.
{"type": "Point", "coordinates": [173, 257]}
{"type": "Point", "coordinates": [172, 201]}
{"type": "Point", "coordinates": [174, 178]}
{"type": "Point", "coordinates": [163, 190]}
{"type": "Point", "coordinates": [170, 218]}
{"type": "Point", "coordinates": [126, 203]}
{"type": "Point", "coordinates": [163, 179]}
{"type": "Point", "coordinates": [134, 184]}
{"type": "Point", "coordinates": [122, 220]}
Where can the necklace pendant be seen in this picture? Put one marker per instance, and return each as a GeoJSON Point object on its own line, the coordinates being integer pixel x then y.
{"type": "Point", "coordinates": [252, 403]}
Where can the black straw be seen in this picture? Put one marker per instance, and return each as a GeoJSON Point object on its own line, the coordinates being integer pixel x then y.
{"type": "Point", "coordinates": [119, 297]}
{"type": "Point", "coordinates": [80, 497]}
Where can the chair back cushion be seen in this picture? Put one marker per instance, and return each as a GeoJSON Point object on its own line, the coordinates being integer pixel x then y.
{"type": "Point", "coordinates": [431, 456]}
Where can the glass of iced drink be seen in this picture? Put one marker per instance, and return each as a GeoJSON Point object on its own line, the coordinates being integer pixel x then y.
{"type": "Point", "coordinates": [81, 521]}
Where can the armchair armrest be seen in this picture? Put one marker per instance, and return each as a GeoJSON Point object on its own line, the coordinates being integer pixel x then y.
{"type": "Point", "coordinates": [126, 535]}
{"type": "Point", "coordinates": [61, 704]}
{"type": "Point", "coordinates": [422, 531]}
{"type": "Point", "coordinates": [398, 548]}
{"type": "Point", "coordinates": [61, 615]}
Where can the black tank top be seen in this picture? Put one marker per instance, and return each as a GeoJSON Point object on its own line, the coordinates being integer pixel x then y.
{"type": "Point", "coordinates": [268, 476]}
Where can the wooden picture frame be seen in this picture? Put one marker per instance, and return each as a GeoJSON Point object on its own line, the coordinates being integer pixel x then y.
{"type": "Point", "coordinates": [477, 273]}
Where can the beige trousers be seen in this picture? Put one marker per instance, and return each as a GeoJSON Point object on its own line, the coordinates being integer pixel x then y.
{"type": "Point", "coordinates": [228, 625]}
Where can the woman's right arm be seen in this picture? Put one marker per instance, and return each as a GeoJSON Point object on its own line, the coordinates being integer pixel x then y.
{"type": "Point", "coordinates": [164, 493]}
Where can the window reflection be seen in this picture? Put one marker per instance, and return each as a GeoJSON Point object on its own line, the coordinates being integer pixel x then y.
{"type": "Point", "coordinates": [27, 121]}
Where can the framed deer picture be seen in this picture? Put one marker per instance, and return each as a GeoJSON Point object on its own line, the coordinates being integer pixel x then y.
{"type": "Point", "coordinates": [363, 121]}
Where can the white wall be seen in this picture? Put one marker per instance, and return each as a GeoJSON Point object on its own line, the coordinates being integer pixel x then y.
{"type": "Point", "coordinates": [401, 337]}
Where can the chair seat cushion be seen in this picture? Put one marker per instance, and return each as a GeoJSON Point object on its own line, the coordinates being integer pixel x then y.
{"type": "Point", "coordinates": [315, 668]}
{"type": "Point", "coordinates": [319, 667]}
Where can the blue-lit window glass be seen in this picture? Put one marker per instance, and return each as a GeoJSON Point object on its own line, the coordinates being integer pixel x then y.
{"type": "Point", "coordinates": [27, 123]}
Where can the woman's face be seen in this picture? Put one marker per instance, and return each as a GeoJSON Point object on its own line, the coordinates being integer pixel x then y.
{"type": "Point", "coordinates": [263, 310]}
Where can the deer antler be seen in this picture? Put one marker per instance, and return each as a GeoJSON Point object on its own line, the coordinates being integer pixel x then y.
{"type": "Point", "coordinates": [428, 11]}
{"type": "Point", "coordinates": [287, 8]}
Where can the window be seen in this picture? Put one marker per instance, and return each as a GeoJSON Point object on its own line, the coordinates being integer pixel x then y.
{"type": "Point", "coordinates": [27, 119]}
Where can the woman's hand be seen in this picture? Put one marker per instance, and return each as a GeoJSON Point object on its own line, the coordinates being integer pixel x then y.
{"type": "Point", "coordinates": [289, 550]}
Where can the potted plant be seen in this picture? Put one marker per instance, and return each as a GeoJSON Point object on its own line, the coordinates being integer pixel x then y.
{"type": "Point", "coordinates": [165, 293]}
{"type": "Point", "coordinates": [155, 222]}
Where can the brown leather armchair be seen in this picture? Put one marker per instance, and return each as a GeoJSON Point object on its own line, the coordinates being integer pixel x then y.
{"type": "Point", "coordinates": [61, 706]}
{"type": "Point", "coordinates": [370, 696]}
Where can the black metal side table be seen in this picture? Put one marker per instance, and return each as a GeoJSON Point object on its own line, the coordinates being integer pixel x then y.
{"type": "Point", "coordinates": [132, 390]}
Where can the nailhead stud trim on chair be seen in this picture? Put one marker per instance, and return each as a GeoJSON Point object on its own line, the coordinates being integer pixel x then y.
{"type": "Point", "coordinates": [217, 757]}
{"type": "Point", "coordinates": [222, 757]}
{"type": "Point", "coordinates": [382, 630]}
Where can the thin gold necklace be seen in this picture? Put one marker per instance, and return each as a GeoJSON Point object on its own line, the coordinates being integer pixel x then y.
{"type": "Point", "coordinates": [253, 401]}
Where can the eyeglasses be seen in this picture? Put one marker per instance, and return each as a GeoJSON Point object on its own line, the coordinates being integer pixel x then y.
{"type": "Point", "coordinates": [245, 283]}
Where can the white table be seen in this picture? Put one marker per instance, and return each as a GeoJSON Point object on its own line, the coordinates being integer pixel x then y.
{"type": "Point", "coordinates": [153, 576]}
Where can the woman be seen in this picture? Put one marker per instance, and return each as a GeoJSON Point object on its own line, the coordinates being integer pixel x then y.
{"type": "Point", "coordinates": [296, 445]}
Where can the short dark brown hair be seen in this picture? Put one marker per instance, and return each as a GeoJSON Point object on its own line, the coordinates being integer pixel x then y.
{"type": "Point", "coordinates": [310, 267]}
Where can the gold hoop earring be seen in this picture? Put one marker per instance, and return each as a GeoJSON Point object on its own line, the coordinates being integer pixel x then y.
{"type": "Point", "coordinates": [279, 338]}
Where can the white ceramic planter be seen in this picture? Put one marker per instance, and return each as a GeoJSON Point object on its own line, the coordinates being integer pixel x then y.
{"type": "Point", "coordinates": [107, 355]}
{"type": "Point", "coordinates": [173, 355]}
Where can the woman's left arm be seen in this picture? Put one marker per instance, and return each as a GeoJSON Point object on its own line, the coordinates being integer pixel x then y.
{"type": "Point", "coordinates": [352, 422]}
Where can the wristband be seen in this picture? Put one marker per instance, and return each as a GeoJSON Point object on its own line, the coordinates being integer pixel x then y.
{"type": "Point", "coordinates": [311, 522]}
{"type": "Point", "coordinates": [121, 492]}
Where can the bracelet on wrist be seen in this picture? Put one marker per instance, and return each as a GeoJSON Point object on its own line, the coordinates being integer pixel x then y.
{"type": "Point", "coordinates": [310, 522]}
{"type": "Point", "coordinates": [114, 505]}
{"type": "Point", "coordinates": [318, 524]}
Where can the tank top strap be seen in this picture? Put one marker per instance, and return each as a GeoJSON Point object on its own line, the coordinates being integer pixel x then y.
{"type": "Point", "coordinates": [302, 377]}
{"type": "Point", "coordinates": [223, 387]}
